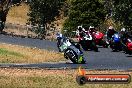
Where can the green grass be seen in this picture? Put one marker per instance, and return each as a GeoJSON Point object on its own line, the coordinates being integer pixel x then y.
{"type": "Point", "coordinates": [20, 54]}
{"type": "Point", "coordinates": [10, 56]}
{"type": "Point", "coordinates": [5, 52]}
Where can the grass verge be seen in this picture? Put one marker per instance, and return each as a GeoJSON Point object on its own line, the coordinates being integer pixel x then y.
{"type": "Point", "coordinates": [39, 78]}
{"type": "Point", "coordinates": [8, 56]}
{"type": "Point", "coordinates": [4, 52]}
{"type": "Point", "coordinates": [20, 54]}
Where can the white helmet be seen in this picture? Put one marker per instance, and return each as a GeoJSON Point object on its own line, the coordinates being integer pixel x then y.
{"type": "Point", "coordinates": [91, 27]}
{"type": "Point", "coordinates": [123, 29]}
{"type": "Point", "coordinates": [59, 35]}
{"type": "Point", "coordinates": [79, 27]}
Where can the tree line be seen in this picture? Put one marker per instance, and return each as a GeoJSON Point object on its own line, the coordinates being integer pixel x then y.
{"type": "Point", "coordinates": [81, 12]}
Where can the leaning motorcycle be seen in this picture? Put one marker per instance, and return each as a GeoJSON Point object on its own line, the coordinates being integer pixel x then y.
{"type": "Point", "coordinates": [71, 51]}
{"type": "Point", "coordinates": [115, 43]}
{"type": "Point", "coordinates": [99, 39]}
{"type": "Point", "coordinates": [87, 42]}
{"type": "Point", "coordinates": [127, 47]}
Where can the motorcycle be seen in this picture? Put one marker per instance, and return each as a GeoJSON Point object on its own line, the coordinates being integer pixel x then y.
{"type": "Point", "coordinates": [127, 47]}
{"type": "Point", "coordinates": [99, 39]}
{"type": "Point", "coordinates": [87, 42]}
{"type": "Point", "coordinates": [115, 43]}
{"type": "Point", "coordinates": [71, 51]}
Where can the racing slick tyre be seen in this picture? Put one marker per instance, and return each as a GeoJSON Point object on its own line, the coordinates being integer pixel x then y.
{"type": "Point", "coordinates": [84, 45]}
{"type": "Point", "coordinates": [113, 47]}
{"type": "Point", "coordinates": [72, 55]}
{"type": "Point", "coordinates": [128, 52]}
{"type": "Point", "coordinates": [104, 44]}
{"type": "Point", "coordinates": [94, 47]}
{"type": "Point", "coordinates": [65, 55]}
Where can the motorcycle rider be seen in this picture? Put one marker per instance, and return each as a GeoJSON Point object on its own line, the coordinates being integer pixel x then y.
{"type": "Point", "coordinates": [124, 35]}
{"type": "Point", "coordinates": [110, 32]}
{"type": "Point", "coordinates": [80, 31]}
{"type": "Point", "coordinates": [92, 29]}
{"type": "Point", "coordinates": [124, 38]}
{"type": "Point", "coordinates": [59, 38]}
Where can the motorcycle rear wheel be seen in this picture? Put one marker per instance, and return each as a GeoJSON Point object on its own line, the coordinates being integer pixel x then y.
{"type": "Point", "coordinates": [84, 45]}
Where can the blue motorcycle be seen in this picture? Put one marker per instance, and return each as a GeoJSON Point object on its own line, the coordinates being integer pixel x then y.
{"type": "Point", "coordinates": [115, 43]}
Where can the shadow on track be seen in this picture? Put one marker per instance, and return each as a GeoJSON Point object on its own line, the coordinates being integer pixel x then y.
{"type": "Point", "coordinates": [129, 56]}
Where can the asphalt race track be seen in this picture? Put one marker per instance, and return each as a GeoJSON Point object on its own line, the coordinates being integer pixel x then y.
{"type": "Point", "coordinates": [105, 59]}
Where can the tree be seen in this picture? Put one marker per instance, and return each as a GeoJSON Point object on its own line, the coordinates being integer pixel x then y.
{"type": "Point", "coordinates": [85, 12]}
{"type": "Point", "coordinates": [16, 1]}
{"type": "Point", "coordinates": [44, 11]}
{"type": "Point", "coordinates": [123, 12]}
{"type": "Point", "coordinates": [4, 8]}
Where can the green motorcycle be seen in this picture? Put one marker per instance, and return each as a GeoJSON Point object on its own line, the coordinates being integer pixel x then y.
{"type": "Point", "coordinates": [71, 51]}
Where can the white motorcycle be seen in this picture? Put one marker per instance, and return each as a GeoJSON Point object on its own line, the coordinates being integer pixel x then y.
{"type": "Point", "coordinates": [71, 51]}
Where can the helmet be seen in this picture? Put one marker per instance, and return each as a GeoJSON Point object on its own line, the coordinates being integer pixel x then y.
{"type": "Point", "coordinates": [91, 27]}
{"type": "Point", "coordinates": [111, 27]}
{"type": "Point", "coordinates": [59, 35]}
{"type": "Point", "coordinates": [123, 29]}
{"type": "Point", "coordinates": [79, 27]}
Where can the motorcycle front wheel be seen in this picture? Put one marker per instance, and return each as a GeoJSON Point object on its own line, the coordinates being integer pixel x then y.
{"type": "Point", "coordinates": [94, 47]}
{"type": "Point", "coordinates": [104, 44]}
{"type": "Point", "coordinates": [71, 54]}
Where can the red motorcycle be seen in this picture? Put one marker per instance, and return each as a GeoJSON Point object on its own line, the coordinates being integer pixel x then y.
{"type": "Point", "coordinates": [99, 39]}
{"type": "Point", "coordinates": [129, 46]}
